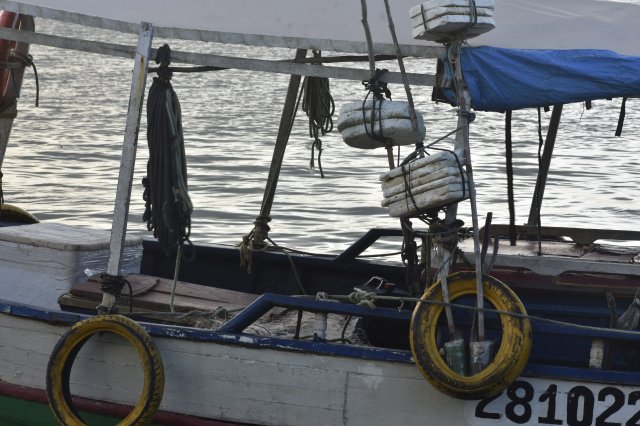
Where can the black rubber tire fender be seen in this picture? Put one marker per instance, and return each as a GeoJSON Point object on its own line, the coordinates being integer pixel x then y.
{"type": "Point", "coordinates": [11, 213]}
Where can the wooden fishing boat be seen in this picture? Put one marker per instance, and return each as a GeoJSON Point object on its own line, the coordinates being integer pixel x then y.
{"type": "Point", "coordinates": [321, 339]}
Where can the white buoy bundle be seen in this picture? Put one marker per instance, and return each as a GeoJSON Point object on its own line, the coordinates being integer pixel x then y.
{"type": "Point", "coordinates": [425, 184]}
{"type": "Point", "coordinates": [378, 124]}
{"type": "Point", "coordinates": [443, 20]}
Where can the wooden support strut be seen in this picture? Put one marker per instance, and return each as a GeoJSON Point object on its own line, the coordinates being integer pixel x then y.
{"type": "Point", "coordinates": [462, 142]}
{"type": "Point", "coordinates": [127, 162]}
{"type": "Point", "coordinates": [545, 163]}
{"type": "Point", "coordinates": [284, 131]}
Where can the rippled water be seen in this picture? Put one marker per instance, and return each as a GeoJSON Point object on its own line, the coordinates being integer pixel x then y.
{"type": "Point", "coordinates": [63, 158]}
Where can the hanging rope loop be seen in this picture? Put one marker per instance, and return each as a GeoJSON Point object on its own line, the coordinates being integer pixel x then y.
{"type": "Point", "coordinates": [319, 106]}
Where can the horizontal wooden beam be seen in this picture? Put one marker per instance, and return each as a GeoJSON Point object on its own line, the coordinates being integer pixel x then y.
{"type": "Point", "coordinates": [204, 59]}
{"type": "Point", "coordinates": [89, 46]}
{"type": "Point", "coordinates": [219, 36]}
{"type": "Point", "coordinates": [70, 17]}
{"type": "Point", "coordinates": [327, 45]}
{"type": "Point", "coordinates": [294, 68]}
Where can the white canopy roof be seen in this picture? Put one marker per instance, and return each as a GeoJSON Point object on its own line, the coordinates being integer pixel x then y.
{"type": "Point", "coordinates": [540, 24]}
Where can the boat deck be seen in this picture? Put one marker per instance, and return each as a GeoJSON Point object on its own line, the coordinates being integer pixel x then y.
{"type": "Point", "coordinates": [564, 250]}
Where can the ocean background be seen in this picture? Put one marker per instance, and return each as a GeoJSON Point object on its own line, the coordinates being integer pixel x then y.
{"type": "Point", "coordinates": [63, 157]}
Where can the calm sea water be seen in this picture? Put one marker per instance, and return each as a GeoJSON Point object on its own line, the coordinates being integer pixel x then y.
{"type": "Point", "coordinates": [63, 158]}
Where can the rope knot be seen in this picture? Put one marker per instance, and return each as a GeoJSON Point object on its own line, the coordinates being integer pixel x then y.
{"type": "Point", "coordinates": [363, 298]}
{"type": "Point", "coordinates": [321, 295]}
{"type": "Point", "coordinates": [261, 230]}
{"type": "Point", "coordinates": [163, 57]}
{"type": "Point", "coordinates": [113, 284]}
{"type": "Point", "coordinates": [377, 87]}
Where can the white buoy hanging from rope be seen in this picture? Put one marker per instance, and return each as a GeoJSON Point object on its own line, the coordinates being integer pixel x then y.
{"type": "Point", "coordinates": [379, 122]}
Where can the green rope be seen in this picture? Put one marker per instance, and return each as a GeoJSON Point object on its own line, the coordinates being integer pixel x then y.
{"type": "Point", "coordinates": [168, 206]}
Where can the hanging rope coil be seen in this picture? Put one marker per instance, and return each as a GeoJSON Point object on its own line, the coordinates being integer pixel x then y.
{"type": "Point", "coordinates": [18, 61]}
{"type": "Point", "coordinates": [21, 60]}
{"type": "Point", "coordinates": [318, 104]}
{"type": "Point", "coordinates": [168, 207]}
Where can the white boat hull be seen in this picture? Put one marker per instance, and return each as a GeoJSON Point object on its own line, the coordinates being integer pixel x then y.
{"type": "Point", "coordinates": [275, 386]}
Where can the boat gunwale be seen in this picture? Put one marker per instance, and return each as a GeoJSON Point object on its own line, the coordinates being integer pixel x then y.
{"type": "Point", "coordinates": [532, 369]}
{"type": "Point", "coordinates": [212, 336]}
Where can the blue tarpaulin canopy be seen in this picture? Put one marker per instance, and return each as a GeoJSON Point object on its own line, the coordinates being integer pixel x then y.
{"type": "Point", "coordinates": [510, 79]}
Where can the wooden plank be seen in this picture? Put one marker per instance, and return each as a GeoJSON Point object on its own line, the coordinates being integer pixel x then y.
{"type": "Point", "coordinates": [297, 69]}
{"type": "Point", "coordinates": [577, 235]}
{"type": "Point", "coordinates": [153, 293]}
{"type": "Point", "coordinates": [345, 46]}
{"type": "Point", "coordinates": [281, 67]}
{"type": "Point", "coordinates": [70, 17]}
{"type": "Point", "coordinates": [219, 36]}
{"type": "Point", "coordinates": [123, 51]}
{"type": "Point", "coordinates": [557, 258]}
{"type": "Point", "coordinates": [111, 49]}
{"type": "Point", "coordinates": [125, 179]}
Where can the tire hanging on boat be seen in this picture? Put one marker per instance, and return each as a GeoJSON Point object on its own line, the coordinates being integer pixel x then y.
{"type": "Point", "coordinates": [67, 349]}
{"type": "Point", "coordinates": [168, 206]}
{"type": "Point", "coordinates": [14, 214]}
{"type": "Point", "coordinates": [510, 358]}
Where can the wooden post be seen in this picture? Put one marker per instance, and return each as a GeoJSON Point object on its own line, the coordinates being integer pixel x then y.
{"type": "Point", "coordinates": [545, 163]}
{"type": "Point", "coordinates": [462, 142]}
{"type": "Point", "coordinates": [465, 108]}
{"type": "Point", "coordinates": [462, 138]}
{"type": "Point", "coordinates": [284, 130]}
{"type": "Point", "coordinates": [127, 162]}
{"type": "Point", "coordinates": [6, 123]}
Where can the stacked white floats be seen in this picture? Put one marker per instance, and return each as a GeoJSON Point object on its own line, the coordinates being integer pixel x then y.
{"type": "Point", "coordinates": [378, 124]}
{"type": "Point", "coordinates": [424, 185]}
{"type": "Point", "coordinates": [443, 20]}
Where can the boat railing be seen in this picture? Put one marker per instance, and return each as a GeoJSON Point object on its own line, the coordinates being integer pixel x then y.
{"type": "Point", "coordinates": [267, 301]}
{"type": "Point", "coordinates": [367, 240]}
{"type": "Point", "coordinates": [580, 236]}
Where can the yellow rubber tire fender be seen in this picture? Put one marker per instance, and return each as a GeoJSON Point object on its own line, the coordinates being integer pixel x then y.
{"type": "Point", "coordinates": [11, 213]}
{"type": "Point", "coordinates": [67, 349]}
{"type": "Point", "coordinates": [510, 358]}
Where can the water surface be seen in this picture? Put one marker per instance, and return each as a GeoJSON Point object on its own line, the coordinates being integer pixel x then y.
{"type": "Point", "coordinates": [63, 158]}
